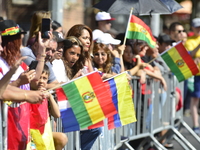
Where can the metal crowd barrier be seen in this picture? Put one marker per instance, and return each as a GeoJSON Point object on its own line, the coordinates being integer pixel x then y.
{"type": "Point", "coordinates": [155, 112]}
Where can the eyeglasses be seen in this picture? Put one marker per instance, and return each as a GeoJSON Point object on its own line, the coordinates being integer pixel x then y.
{"type": "Point", "coordinates": [179, 31]}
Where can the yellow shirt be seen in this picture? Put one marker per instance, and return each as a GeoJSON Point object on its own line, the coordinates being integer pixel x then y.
{"type": "Point", "coordinates": [191, 43]}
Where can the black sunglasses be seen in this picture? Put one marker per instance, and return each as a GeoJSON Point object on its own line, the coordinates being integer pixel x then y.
{"type": "Point", "coordinates": [179, 31]}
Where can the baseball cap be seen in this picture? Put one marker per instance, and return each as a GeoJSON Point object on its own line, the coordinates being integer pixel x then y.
{"type": "Point", "coordinates": [9, 28]}
{"type": "Point", "coordinates": [59, 36]}
{"type": "Point", "coordinates": [96, 34]}
{"type": "Point", "coordinates": [106, 38]}
{"type": "Point", "coordinates": [196, 22]}
{"type": "Point", "coordinates": [101, 16]}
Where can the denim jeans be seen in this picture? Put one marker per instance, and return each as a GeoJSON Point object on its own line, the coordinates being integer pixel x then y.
{"type": "Point", "coordinates": [88, 137]}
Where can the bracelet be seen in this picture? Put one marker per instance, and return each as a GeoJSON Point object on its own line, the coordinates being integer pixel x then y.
{"type": "Point", "coordinates": [43, 55]}
{"type": "Point", "coordinates": [41, 60]}
{"type": "Point", "coordinates": [26, 97]}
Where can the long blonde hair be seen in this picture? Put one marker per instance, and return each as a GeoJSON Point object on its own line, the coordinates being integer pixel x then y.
{"type": "Point", "coordinates": [36, 22]}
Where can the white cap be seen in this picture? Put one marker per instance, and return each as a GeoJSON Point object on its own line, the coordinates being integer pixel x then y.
{"type": "Point", "coordinates": [101, 16]}
{"type": "Point", "coordinates": [106, 38]}
{"type": "Point", "coordinates": [96, 34]}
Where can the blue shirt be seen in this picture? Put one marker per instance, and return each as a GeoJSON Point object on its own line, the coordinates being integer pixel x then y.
{"type": "Point", "coordinates": [26, 51]}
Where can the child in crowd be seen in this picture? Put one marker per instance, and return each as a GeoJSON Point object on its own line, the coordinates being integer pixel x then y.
{"type": "Point", "coordinates": [60, 139]}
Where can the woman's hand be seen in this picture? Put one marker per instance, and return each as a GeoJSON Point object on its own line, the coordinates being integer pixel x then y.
{"type": "Point", "coordinates": [78, 74]}
{"type": "Point", "coordinates": [163, 82]}
{"type": "Point", "coordinates": [43, 43]}
{"type": "Point", "coordinates": [121, 49]}
{"type": "Point", "coordinates": [24, 78]}
{"type": "Point", "coordinates": [34, 96]}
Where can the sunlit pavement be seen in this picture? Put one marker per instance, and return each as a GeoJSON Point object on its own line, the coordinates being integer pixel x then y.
{"type": "Point", "coordinates": [187, 135]}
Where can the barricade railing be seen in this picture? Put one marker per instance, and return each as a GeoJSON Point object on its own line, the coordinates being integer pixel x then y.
{"type": "Point", "coordinates": [155, 112]}
{"type": "Point", "coordinates": [1, 127]}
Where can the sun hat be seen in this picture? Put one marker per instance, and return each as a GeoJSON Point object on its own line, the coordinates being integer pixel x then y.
{"type": "Point", "coordinates": [101, 16]}
{"type": "Point", "coordinates": [59, 36]}
{"type": "Point", "coordinates": [106, 38]}
{"type": "Point", "coordinates": [9, 28]}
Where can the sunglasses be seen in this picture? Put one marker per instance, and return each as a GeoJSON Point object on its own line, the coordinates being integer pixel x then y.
{"type": "Point", "coordinates": [179, 31]}
{"type": "Point", "coordinates": [107, 21]}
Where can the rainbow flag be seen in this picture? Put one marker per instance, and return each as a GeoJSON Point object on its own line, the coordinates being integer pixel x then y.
{"type": "Point", "coordinates": [180, 62]}
{"type": "Point", "coordinates": [122, 98]}
{"type": "Point", "coordinates": [89, 102]}
{"type": "Point", "coordinates": [137, 29]}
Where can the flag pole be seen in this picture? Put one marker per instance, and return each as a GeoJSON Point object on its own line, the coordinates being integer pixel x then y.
{"type": "Point", "coordinates": [163, 52]}
{"type": "Point", "coordinates": [57, 85]}
{"type": "Point", "coordinates": [128, 26]}
{"type": "Point", "coordinates": [152, 59]}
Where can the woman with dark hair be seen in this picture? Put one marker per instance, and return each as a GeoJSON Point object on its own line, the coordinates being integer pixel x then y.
{"type": "Point", "coordinates": [84, 34]}
{"type": "Point", "coordinates": [56, 26]}
{"type": "Point", "coordinates": [73, 57]}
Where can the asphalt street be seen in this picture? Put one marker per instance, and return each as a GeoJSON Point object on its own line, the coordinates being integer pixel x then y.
{"type": "Point", "coordinates": [187, 135]}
